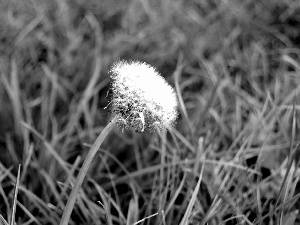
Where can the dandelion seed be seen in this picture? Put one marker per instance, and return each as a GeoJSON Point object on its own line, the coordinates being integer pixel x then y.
{"type": "Point", "coordinates": [142, 99]}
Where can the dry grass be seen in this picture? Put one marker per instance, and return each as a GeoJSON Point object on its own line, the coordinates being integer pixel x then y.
{"type": "Point", "coordinates": [234, 155]}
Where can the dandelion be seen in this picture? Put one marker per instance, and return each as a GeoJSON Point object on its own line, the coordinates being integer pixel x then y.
{"type": "Point", "coordinates": [142, 100]}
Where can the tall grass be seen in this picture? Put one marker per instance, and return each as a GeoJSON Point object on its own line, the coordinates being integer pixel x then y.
{"type": "Point", "coordinates": [234, 155]}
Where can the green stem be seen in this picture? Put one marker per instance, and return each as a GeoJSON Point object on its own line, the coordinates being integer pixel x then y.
{"type": "Point", "coordinates": [86, 164]}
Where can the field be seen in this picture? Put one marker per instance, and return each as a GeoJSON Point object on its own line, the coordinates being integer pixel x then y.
{"type": "Point", "coordinates": [233, 155]}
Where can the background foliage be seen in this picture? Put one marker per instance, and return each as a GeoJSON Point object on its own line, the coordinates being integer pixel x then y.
{"type": "Point", "coordinates": [235, 66]}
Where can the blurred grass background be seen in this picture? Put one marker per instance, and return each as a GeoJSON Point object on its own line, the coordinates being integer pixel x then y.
{"type": "Point", "coordinates": [235, 66]}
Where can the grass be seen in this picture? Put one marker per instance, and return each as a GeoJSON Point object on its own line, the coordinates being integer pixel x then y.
{"type": "Point", "coordinates": [233, 157]}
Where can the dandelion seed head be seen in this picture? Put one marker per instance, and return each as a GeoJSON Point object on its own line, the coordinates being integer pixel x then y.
{"type": "Point", "coordinates": [142, 99]}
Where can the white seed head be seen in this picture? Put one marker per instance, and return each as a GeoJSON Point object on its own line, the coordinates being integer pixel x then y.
{"type": "Point", "coordinates": [142, 99]}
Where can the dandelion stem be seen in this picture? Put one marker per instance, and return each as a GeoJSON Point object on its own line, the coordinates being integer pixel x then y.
{"type": "Point", "coordinates": [82, 173]}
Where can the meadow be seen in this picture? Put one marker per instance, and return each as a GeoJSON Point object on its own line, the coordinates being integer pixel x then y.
{"type": "Point", "coordinates": [233, 154]}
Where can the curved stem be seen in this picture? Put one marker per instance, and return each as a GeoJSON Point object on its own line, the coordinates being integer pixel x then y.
{"type": "Point", "coordinates": [86, 164]}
